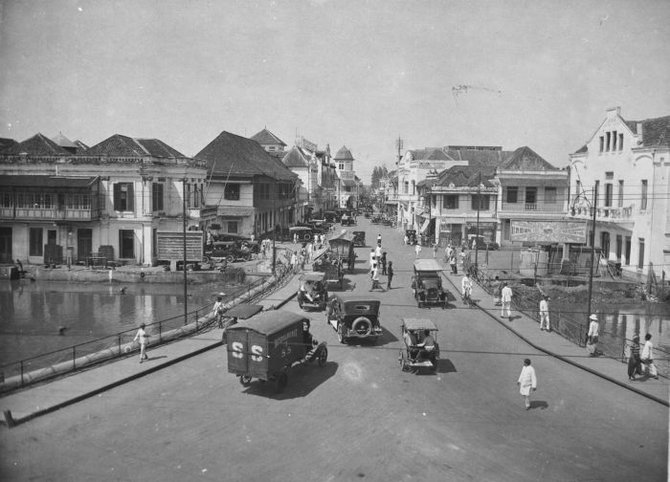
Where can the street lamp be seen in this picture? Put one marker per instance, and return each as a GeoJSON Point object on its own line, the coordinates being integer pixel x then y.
{"type": "Point", "coordinates": [592, 207]}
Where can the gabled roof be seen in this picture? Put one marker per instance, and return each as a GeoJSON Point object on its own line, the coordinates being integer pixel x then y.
{"type": "Point", "coordinates": [38, 145]}
{"type": "Point", "coordinates": [265, 138]}
{"type": "Point", "coordinates": [295, 158]}
{"type": "Point", "coordinates": [526, 159]}
{"type": "Point", "coordinates": [429, 154]}
{"type": "Point", "coordinates": [6, 143]}
{"type": "Point", "coordinates": [124, 146]}
{"type": "Point", "coordinates": [466, 176]}
{"type": "Point", "coordinates": [481, 157]}
{"type": "Point", "coordinates": [343, 154]}
{"type": "Point", "coordinates": [230, 154]}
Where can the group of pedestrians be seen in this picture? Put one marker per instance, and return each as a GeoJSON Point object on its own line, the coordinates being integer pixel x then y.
{"type": "Point", "coordinates": [380, 265]}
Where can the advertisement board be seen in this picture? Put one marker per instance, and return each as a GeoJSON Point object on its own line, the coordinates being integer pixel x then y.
{"type": "Point", "coordinates": [170, 246]}
{"type": "Point", "coordinates": [549, 231]}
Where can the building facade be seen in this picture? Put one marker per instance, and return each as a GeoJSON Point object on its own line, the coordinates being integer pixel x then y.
{"type": "Point", "coordinates": [69, 205]}
{"type": "Point", "coordinates": [348, 187]}
{"type": "Point", "coordinates": [622, 173]}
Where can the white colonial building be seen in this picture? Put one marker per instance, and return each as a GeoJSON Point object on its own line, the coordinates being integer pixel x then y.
{"type": "Point", "coordinates": [623, 173]}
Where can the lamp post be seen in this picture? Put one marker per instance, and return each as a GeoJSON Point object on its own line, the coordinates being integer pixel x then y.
{"type": "Point", "coordinates": [184, 266]}
{"type": "Point", "coordinates": [593, 210]}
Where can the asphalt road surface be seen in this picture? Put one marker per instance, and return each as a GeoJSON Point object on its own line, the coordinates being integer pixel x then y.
{"type": "Point", "coordinates": [359, 417]}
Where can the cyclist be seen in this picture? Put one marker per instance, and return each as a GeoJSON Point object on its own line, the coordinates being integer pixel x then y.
{"type": "Point", "coordinates": [466, 289]}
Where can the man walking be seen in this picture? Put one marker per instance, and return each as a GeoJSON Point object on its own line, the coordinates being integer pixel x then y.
{"type": "Point", "coordinates": [544, 314]}
{"type": "Point", "coordinates": [417, 249]}
{"type": "Point", "coordinates": [389, 273]}
{"type": "Point", "coordinates": [142, 336]}
{"type": "Point", "coordinates": [506, 299]}
{"type": "Point", "coordinates": [453, 263]}
{"type": "Point", "coordinates": [218, 309]}
{"type": "Point", "coordinates": [648, 356]}
{"type": "Point", "coordinates": [634, 359]}
{"type": "Point", "coordinates": [592, 336]}
{"type": "Point", "coordinates": [527, 382]}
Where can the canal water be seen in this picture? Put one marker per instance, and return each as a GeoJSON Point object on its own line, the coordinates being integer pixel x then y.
{"type": "Point", "coordinates": [32, 313]}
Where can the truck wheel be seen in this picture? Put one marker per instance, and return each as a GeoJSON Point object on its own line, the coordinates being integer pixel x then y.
{"type": "Point", "coordinates": [323, 357]}
{"type": "Point", "coordinates": [362, 326]}
{"type": "Point", "coordinates": [280, 382]}
{"type": "Point", "coordinates": [245, 380]}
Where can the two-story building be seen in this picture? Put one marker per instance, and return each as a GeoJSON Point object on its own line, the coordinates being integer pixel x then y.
{"type": "Point", "coordinates": [622, 173]}
{"type": "Point", "coordinates": [63, 204]}
{"type": "Point", "coordinates": [255, 192]}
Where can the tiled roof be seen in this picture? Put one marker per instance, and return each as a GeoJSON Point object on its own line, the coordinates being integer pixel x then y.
{"type": "Point", "coordinates": [124, 146]}
{"type": "Point", "coordinates": [480, 157]}
{"type": "Point", "coordinates": [265, 137]}
{"type": "Point", "coordinates": [63, 141]}
{"type": "Point", "coordinates": [430, 154]}
{"type": "Point", "coordinates": [38, 145]}
{"type": "Point", "coordinates": [526, 159]}
{"type": "Point", "coordinates": [235, 155]}
{"type": "Point", "coordinates": [295, 158]}
{"type": "Point", "coordinates": [466, 176]}
{"type": "Point", "coordinates": [343, 154]}
{"type": "Point", "coordinates": [582, 149]}
{"type": "Point", "coordinates": [656, 132]}
{"type": "Point", "coordinates": [6, 143]}
{"type": "Point", "coordinates": [45, 181]}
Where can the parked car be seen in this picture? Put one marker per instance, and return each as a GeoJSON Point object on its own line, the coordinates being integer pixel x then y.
{"type": "Point", "coordinates": [348, 219]}
{"type": "Point", "coordinates": [230, 251]}
{"type": "Point", "coordinates": [305, 233]}
{"type": "Point", "coordinates": [269, 344]}
{"type": "Point", "coordinates": [481, 243]}
{"type": "Point", "coordinates": [415, 354]}
{"type": "Point", "coordinates": [313, 291]}
{"type": "Point", "coordinates": [354, 317]}
{"type": "Point", "coordinates": [427, 283]}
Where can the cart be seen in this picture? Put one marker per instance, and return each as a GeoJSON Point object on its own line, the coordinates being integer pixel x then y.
{"type": "Point", "coordinates": [342, 246]}
{"type": "Point", "coordinates": [414, 356]}
{"type": "Point", "coordinates": [269, 344]}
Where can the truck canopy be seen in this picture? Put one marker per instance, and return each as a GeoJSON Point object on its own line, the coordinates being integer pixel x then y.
{"type": "Point", "coordinates": [270, 322]}
{"type": "Point", "coordinates": [427, 264]}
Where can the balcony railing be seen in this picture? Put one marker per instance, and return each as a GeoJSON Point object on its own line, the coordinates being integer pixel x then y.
{"type": "Point", "coordinates": [556, 207]}
{"type": "Point", "coordinates": [49, 214]}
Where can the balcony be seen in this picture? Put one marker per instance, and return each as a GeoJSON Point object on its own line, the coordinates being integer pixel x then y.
{"type": "Point", "coordinates": [47, 214]}
{"type": "Point", "coordinates": [532, 208]}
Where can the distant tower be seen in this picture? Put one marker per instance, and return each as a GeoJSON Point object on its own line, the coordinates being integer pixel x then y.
{"type": "Point", "coordinates": [398, 146]}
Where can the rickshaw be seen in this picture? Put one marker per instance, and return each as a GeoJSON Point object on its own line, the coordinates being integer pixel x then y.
{"type": "Point", "coordinates": [354, 317]}
{"type": "Point", "coordinates": [343, 247]}
{"type": "Point", "coordinates": [415, 355]}
{"type": "Point", "coordinates": [267, 345]}
{"type": "Point", "coordinates": [313, 292]}
{"type": "Point", "coordinates": [359, 238]}
{"type": "Point", "coordinates": [243, 311]}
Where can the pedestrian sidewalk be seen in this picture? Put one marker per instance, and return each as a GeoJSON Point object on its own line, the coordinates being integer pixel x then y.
{"type": "Point", "coordinates": [555, 345]}
{"type": "Point", "coordinates": [47, 397]}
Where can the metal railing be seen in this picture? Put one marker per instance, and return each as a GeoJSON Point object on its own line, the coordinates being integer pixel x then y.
{"type": "Point", "coordinates": [58, 362]}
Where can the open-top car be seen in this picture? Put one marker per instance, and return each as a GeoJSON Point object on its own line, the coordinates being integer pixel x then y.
{"type": "Point", "coordinates": [354, 317]}
{"type": "Point", "coordinates": [427, 283]}
{"type": "Point", "coordinates": [359, 238]}
{"type": "Point", "coordinates": [347, 219]}
{"type": "Point", "coordinates": [313, 291]}
{"type": "Point", "coordinates": [421, 349]}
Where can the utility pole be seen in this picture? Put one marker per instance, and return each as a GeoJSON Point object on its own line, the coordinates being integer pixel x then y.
{"type": "Point", "coordinates": [184, 266]}
{"type": "Point", "coordinates": [479, 202]}
{"type": "Point", "coordinates": [594, 205]}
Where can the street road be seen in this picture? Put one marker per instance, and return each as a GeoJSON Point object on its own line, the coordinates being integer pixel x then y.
{"type": "Point", "coordinates": [359, 417]}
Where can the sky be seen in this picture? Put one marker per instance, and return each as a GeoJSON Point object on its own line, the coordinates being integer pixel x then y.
{"type": "Point", "coordinates": [358, 73]}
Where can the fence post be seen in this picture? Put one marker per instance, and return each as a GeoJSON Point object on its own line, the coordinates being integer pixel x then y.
{"type": "Point", "coordinates": [21, 372]}
{"type": "Point", "coordinates": [160, 331]}
{"type": "Point", "coordinates": [74, 357]}
{"type": "Point", "coordinates": [196, 320]}
{"type": "Point", "coordinates": [119, 342]}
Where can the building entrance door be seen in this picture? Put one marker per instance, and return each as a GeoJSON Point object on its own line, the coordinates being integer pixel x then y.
{"type": "Point", "coordinates": [6, 245]}
{"type": "Point", "coordinates": [84, 243]}
{"type": "Point", "coordinates": [126, 244]}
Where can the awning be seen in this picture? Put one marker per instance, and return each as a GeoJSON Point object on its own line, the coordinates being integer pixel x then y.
{"type": "Point", "coordinates": [424, 226]}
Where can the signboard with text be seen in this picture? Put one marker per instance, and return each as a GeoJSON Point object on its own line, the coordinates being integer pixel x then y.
{"type": "Point", "coordinates": [548, 231]}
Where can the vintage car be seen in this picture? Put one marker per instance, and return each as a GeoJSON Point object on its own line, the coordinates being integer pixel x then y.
{"type": "Point", "coordinates": [230, 251]}
{"type": "Point", "coordinates": [411, 236]}
{"type": "Point", "coordinates": [305, 234]}
{"type": "Point", "coordinates": [354, 317]}
{"type": "Point", "coordinates": [481, 243]}
{"type": "Point", "coordinates": [348, 219]}
{"type": "Point", "coordinates": [242, 311]}
{"type": "Point", "coordinates": [427, 283]}
{"type": "Point", "coordinates": [267, 345]}
{"type": "Point", "coordinates": [359, 238]}
{"type": "Point", "coordinates": [313, 291]}
{"type": "Point", "coordinates": [332, 216]}
{"type": "Point", "coordinates": [416, 353]}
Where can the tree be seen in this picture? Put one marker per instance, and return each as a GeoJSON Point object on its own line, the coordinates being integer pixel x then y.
{"type": "Point", "coordinates": [378, 172]}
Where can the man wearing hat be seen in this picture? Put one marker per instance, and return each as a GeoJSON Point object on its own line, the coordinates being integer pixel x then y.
{"type": "Point", "coordinates": [592, 336]}
{"type": "Point", "coordinates": [634, 364]}
{"type": "Point", "coordinates": [506, 300]}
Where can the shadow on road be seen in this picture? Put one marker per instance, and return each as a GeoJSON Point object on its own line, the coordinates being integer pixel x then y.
{"type": "Point", "coordinates": [541, 404]}
{"type": "Point", "coordinates": [302, 380]}
{"type": "Point", "coordinates": [445, 366]}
